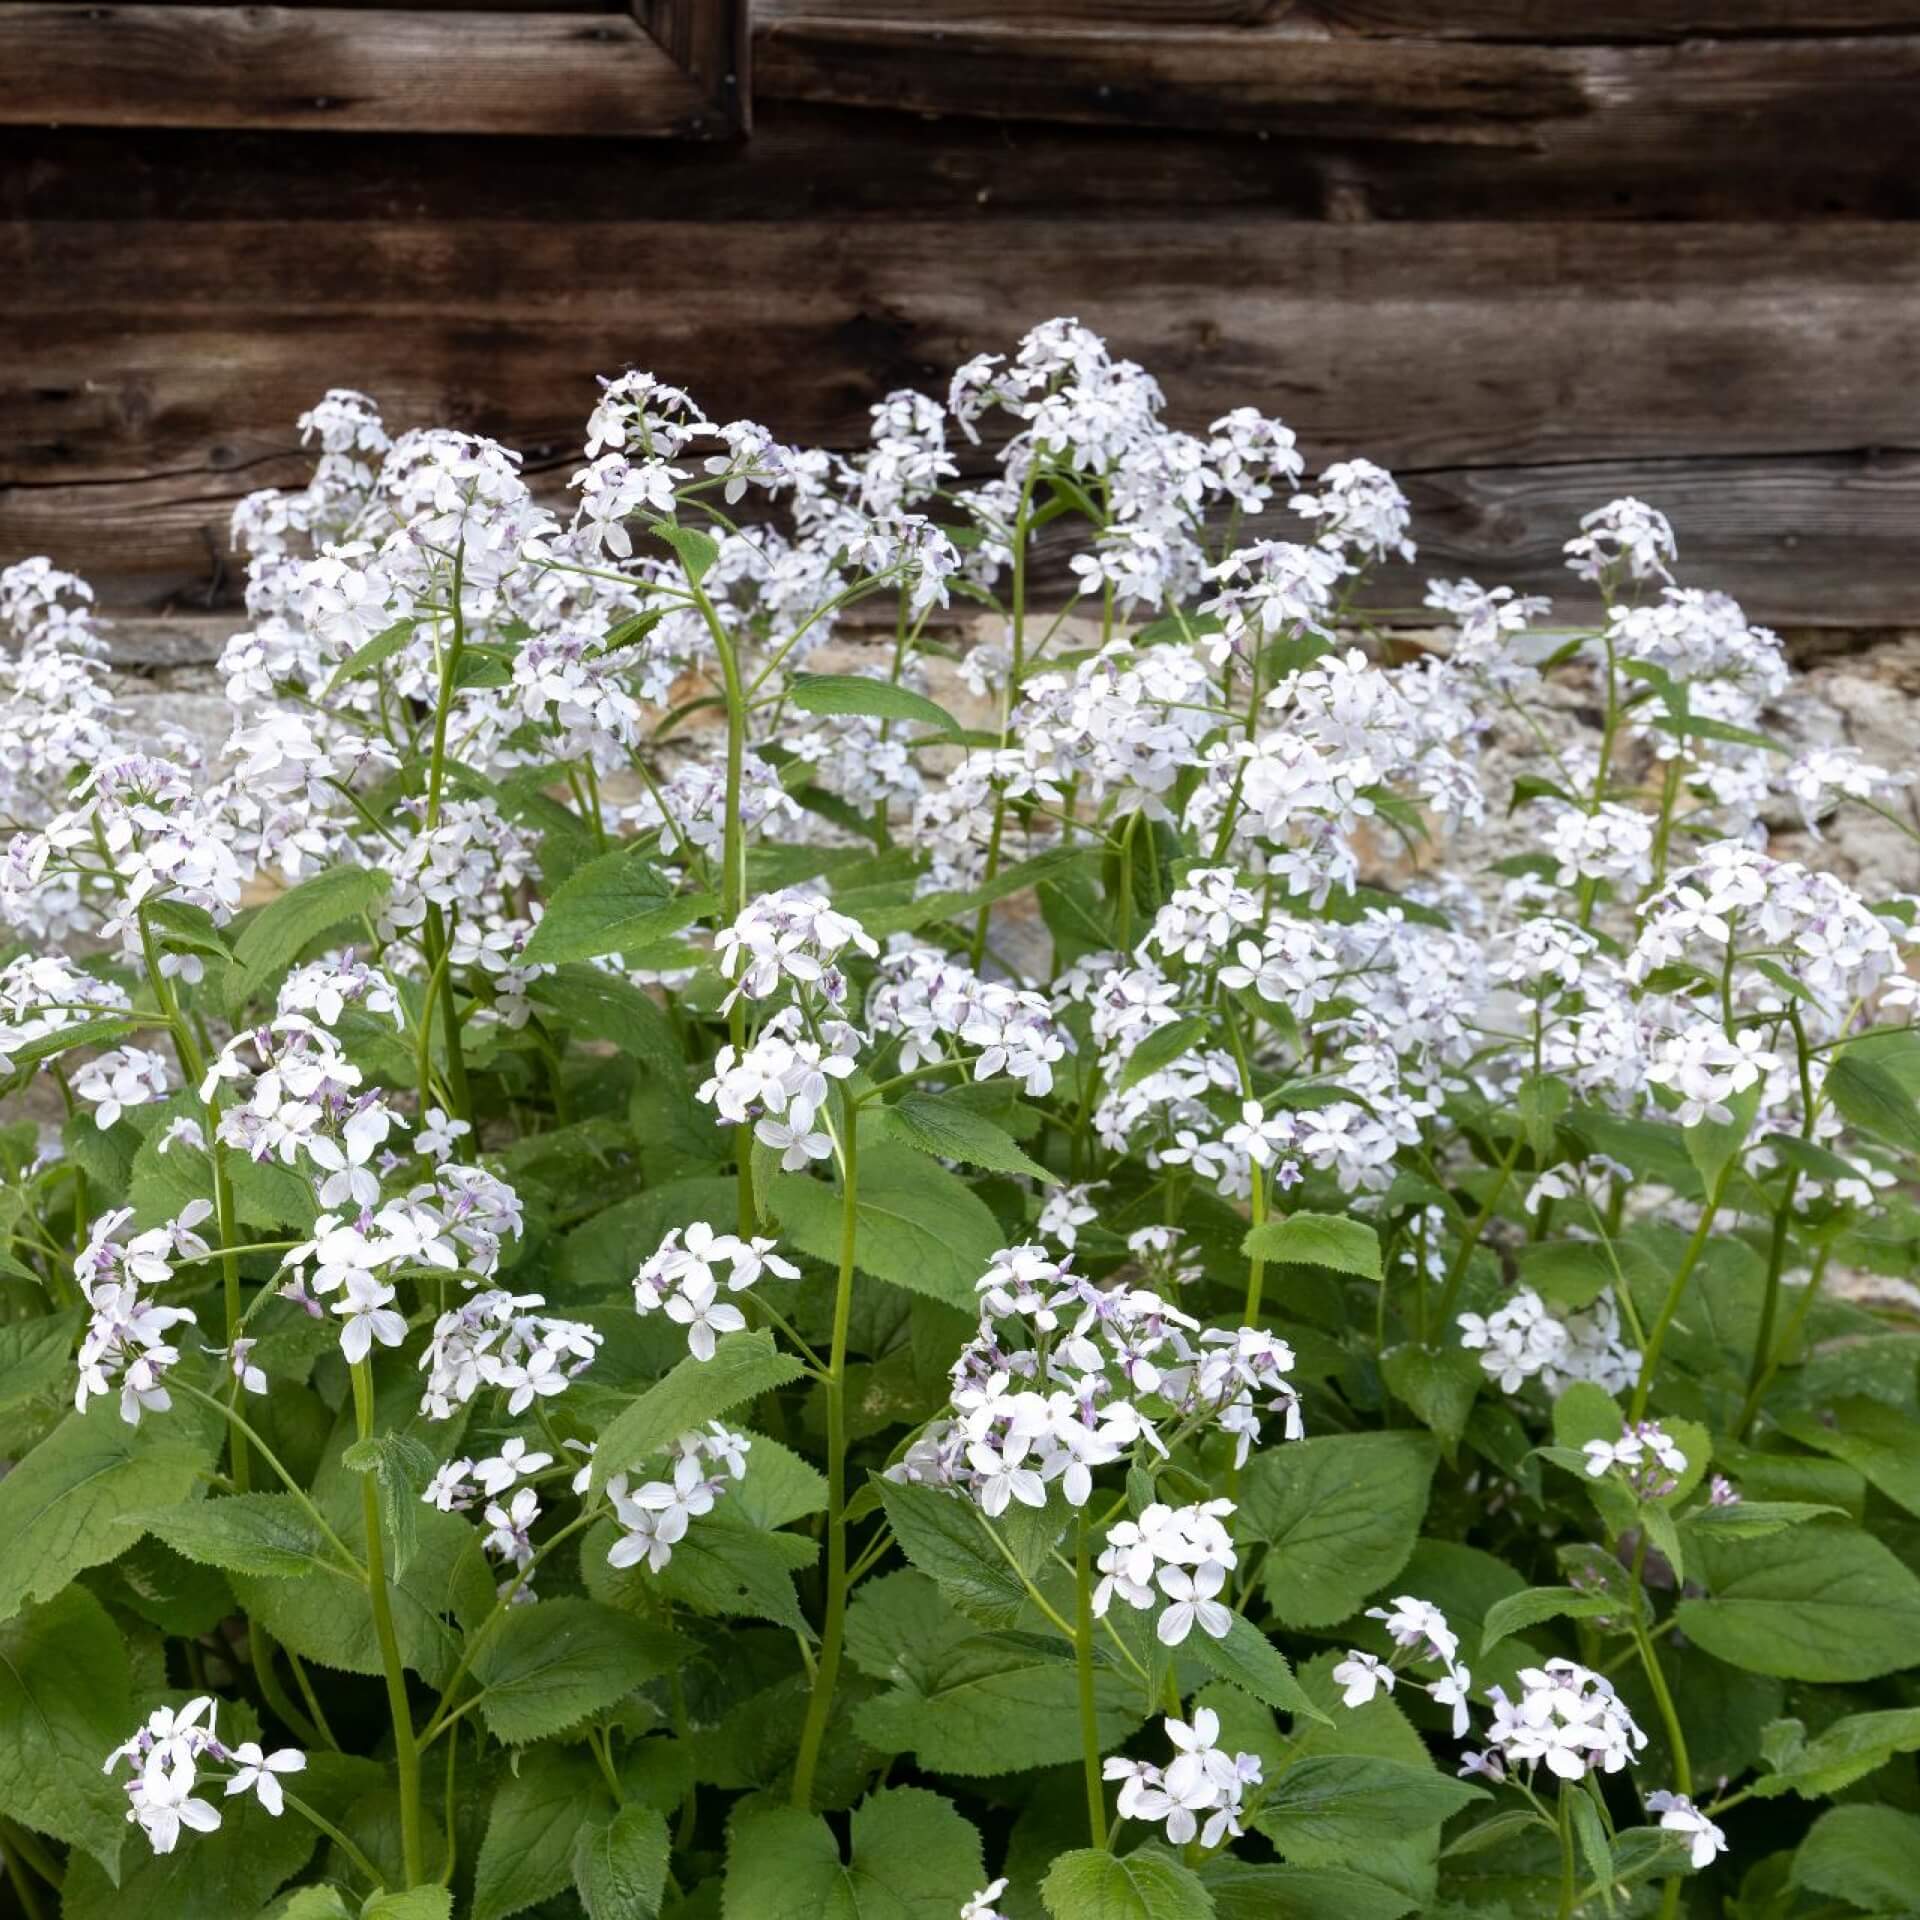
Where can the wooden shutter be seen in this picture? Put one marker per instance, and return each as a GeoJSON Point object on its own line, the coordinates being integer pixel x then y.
{"type": "Point", "coordinates": [673, 69]}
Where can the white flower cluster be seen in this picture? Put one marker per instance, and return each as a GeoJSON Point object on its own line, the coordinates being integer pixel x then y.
{"type": "Point", "coordinates": [1066, 1377]}
{"type": "Point", "coordinates": [1185, 1553]}
{"type": "Point", "coordinates": [496, 1339]}
{"type": "Point", "coordinates": [792, 935]}
{"type": "Point", "coordinates": [780, 1085]}
{"type": "Point", "coordinates": [681, 1279]}
{"type": "Point", "coordinates": [654, 1516]}
{"type": "Point", "coordinates": [1419, 1632]}
{"type": "Point", "coordinates": [126, 1337]}
{"type": "Point", "coordinates": [1200, 1781]}
{"type": "Point", "coordinates": [42, 995]}
{"type": "Point", "coordinates": [1645, 1455]}
{"type": "Point", "coordinates": [167, 1757]}
{"type": "Point", "coordinates": [1567, 1717]}
{"type": "Point", "coordinates": [1524, 1339]}
{"type": "Point", "coordinates": [934, 1002]}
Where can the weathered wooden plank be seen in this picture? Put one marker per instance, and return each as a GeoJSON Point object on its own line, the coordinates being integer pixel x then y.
{"type": "Point", "coordinates": [341, 70]}
{"type": "Point", "coordinates": [1591, 21]}
{"type": "Point", "coordinates": [1599, 104]}
{"type": "Point", "coordinates": [709, 41]}
{"type": "Point", "coordinates": [1802, 541]}
{"type": "Point", "coordinates": [1423, 345]}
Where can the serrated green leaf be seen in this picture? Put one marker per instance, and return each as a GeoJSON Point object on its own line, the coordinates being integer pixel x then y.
{"type": "Point", "coordinates": [268, 1534]}
{"type": "Point", "coordinates": [62, 1508]}
{"type": "Point", "coordinates": [620, 1870]}
{"type": "Point", "coordinates": [618, 901]}
{"type": "Point", "coordinates": [365, 657]}
{"type": "Point", "coordinates": [1847, 1751]}
{"type": "Point", "coordinates": [1519, 1611]}
{"type": "Point", "coordinates": [401, 1467]}
{"type": "Point", "coordinates": [1247, 1659]}
{"type": "Point", "coordinates": [942, 1534]}
{"type": "Point", "coordinates": [1823, 1602]}
{"type": "Point", "coordinates": [990, 1703]}
{"type": "Point", "coordinates": [547, 1667]}
{"type": "Point", "coordinates": [1318, 1240]}
{"type": "Point", "coordinates": [1161, 1048]}
{"type": "Point", "coordinates": [696, 551]}
{"type": "Point", "coordinates": [919, 1227]}
{"type": "Point", "coordinates": [533, 1827]}
{"type": "Point", "coordinates": [604, 1006]}
{"type": "Point", "coordinates": [914, 1858]}
{"type": "Point", "coordinates": [1867, 1094]}
{"type": "Point", "coordinates": [1881, 1441]}
{"type": "Point", "coordinates": [1326, 1810]}
{"type": "Point", "coordinates": [1868, 1856]}
{"type": "Point", "coordinates": [65, 1704]}
{"type": "Point", "coordinates": [1092, 1884]}
{"type": "Point", "coordinates": [1569, 1273]}
{"type": "Point", "coordinates": [696, 1391]}
{"type": "Point", "coordinates": [1342, 1513]}
{"type": "Point", "coordinates": [875, 699]}
{"type": "Point", "coordinates": [954, 1131]}
{"type": "Point", "coordinates": [285, 927]}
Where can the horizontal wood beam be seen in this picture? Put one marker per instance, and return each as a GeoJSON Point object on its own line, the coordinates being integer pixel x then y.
{"type": "Point", "coordinates": [343, 69]}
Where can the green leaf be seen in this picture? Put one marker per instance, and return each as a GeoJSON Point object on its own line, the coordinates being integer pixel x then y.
{"type": "Point", "coordinates": [264, 1533]}
{"type": "Point", "coordinates": [1823, 1602]}
{"type": "Point", "coordinates": [696, 551]}
{"type": "Point", "coordinates": [943, 1534]}
{"type": "Point", "coordinates": [62, 1507]}
{"type": "Point", "coordinates": [185, 928]}
{"type": "Point", "coordinates": [1318, 1240]}
{"type": "Point", "coordinates": [1250, 1661]}
{"type": "Point", "coordinates": [888, 914]}
{"type": "Point", "coordinates": [605, 1007]}
{"type": "Point", "coordinates": [401, 1467]}
{"type": "Point", "coordinates": [918, 1225]}
{"type": "Point", "coordinates": [1881, 1441]}
{"type": "Point", "coordinates": [743, 1365]}
{"type": "Point", "coordinates": [1847, 1751]}
{"type": "Point", "coordinates": [1161, 1048]}
{"type": "Point", "coordinates": [107, 1030]}
{"type": "Point", "coordinates": [364, 658]}
{"type": "Point", "coordinates": [534, 1828]}
{"type": "Point", "coordinates": [1519, 1611]}
{"type": "Point", "coordinates": [614, 902]}
{"type": "Point", "coordinates": [620, 1870]}
{"type": "Point", "coordinates": [1243, 1891]}
{"type": "Point", "coordinates": [876, 699]}
{"type": "Point", "coordinates": [1440, 1384]}
{"type": "Point", "coordinates": [914, 1858]}
{"type": "Point", "coordinates": [417, 1903]}
{"type": "Point", "coordinates": [550, 1666]}
{"type": "Point", "coordinates": [991, 1703]}
{"type": "Point", "coordinates": [1868, 1856]}
{"type": "Point", "coordinates": [1594, 1844]}
{"type": "Point", "coordinates": [725, 1566]}
{"type": "Point", "coordinates": [232, 1871]}
{"type": "Point", "coordinates": [1092, 1884]}
{"type": "Point", "coordinates": [1328, 1809]}
{"type": "Point", "coordinates": [286, 926]}
{"type": "Point", "coordinates": [1868, 1095]}
{"type": "Point", "coordinates": [1753, 1519]}
{"type": "Point", "coordinates": [331, 1622]}
{"type": "Point", "coordinates": [1569, 1273]}
{"type": "Point", "coordinates": [1342, 1513]}
{"type": "Point", "coordinates": [65, 1704]}
{"type": "Point", "coordinates": [953, 1130]}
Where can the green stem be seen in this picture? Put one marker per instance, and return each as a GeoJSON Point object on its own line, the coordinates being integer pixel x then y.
{"type": "Point", "coordinates": [260, 1646]}
{"type": "Point", "coordinates": [820, 1700]}
{"type": "Point", "coordinates": [1083, 1666]}
{"type": "Point", "coordinates": [1567, 1880]}
{"type": "Point", "coordinates": [1657, 1335]}
{"type": "Point", "coordinates": [23, 1887]}
{"type": "Point", "coordinates": [320, 1823]}
{"type": "Point", "coordinates": [1788, 1341]}
{"type": "Point", "coordinates": [1463, 1253]}
{"type": "Point", "coordinates": [406, 1753]}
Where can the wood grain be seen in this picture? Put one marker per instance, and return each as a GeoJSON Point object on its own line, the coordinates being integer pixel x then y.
{"type": "Point", "coordinates": [342, 70]}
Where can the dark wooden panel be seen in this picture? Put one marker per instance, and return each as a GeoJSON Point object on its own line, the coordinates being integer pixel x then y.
{"type": "Point", "coordinates": [1426, 344]}
{"type": "Point", "coordinates": [1604, 107]}
{"type": "Point", "coordinates": [1592, 21]}
{"type": "Point", "coordinates": [126, 430]}
{"type": "Point", "coordinates": [341, 70]}
{"type": "Point", "coordinates": [708, 40]}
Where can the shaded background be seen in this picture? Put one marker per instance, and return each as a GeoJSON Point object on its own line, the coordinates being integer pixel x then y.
{"type": "Point", "coordinates": [1529, 253]}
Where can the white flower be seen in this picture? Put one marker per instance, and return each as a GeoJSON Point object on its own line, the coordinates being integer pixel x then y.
{"type": "Point", "coordinates": [261, 1772]}
{"type": "Point", "coordinates": [1678, 1814]}
{"type": "Point", "coordinates": [1191, 1597]}
{"type": "Point", "coordinates": [1361, 1675]}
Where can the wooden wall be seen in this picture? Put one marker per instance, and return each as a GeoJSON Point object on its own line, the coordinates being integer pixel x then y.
{"type": "Point", "coordinates": [1529, 253]}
